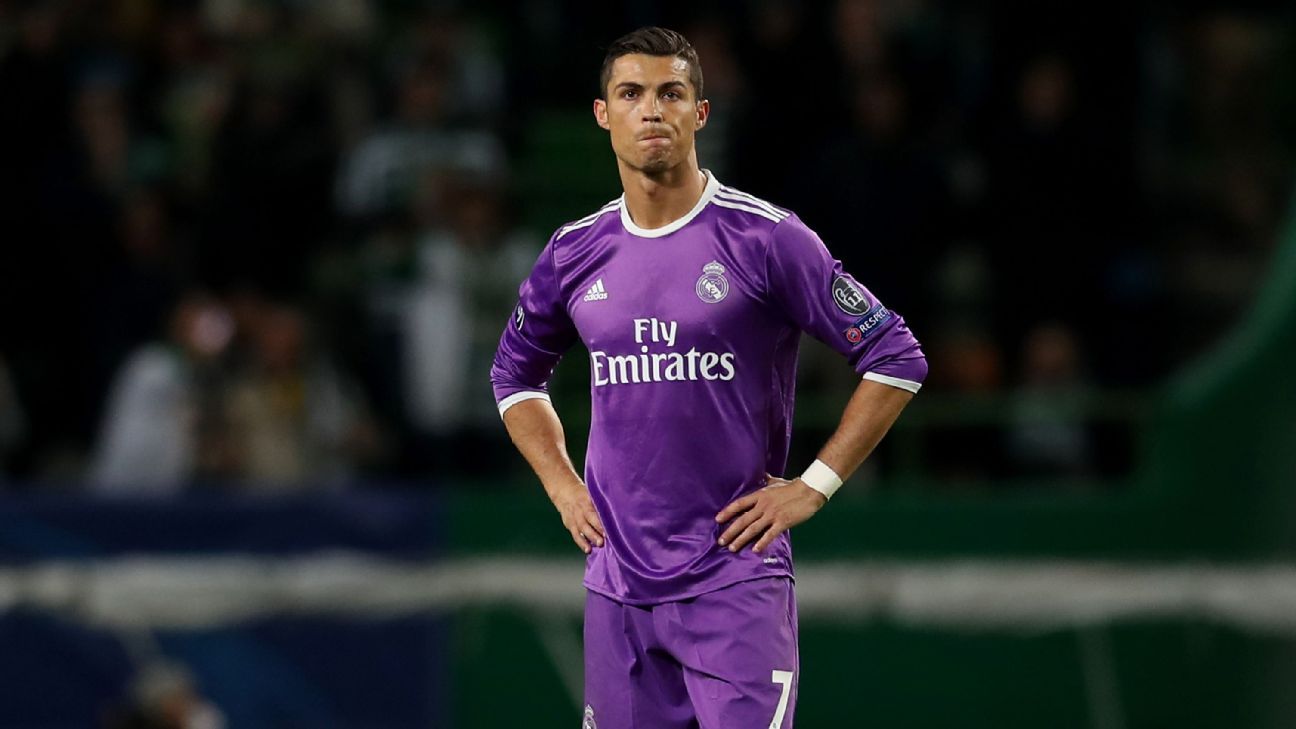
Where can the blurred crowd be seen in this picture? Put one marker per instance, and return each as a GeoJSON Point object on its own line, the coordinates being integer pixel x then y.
{"type": "Point", "coordinates": [270, 244]}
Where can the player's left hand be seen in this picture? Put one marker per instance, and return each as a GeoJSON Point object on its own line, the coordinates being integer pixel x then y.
{"type": "Point", "coordinates": [767, 513]}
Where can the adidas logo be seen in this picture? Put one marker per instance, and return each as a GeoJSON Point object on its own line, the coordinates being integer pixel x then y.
{"type": "Point", "coordinates": [596, 292]}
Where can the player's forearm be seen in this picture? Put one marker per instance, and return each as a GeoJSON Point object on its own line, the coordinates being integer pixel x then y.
{"type": "Point", "coordinates": [872, 409]}
{"type": "Point", "coordinates": [538, 434]}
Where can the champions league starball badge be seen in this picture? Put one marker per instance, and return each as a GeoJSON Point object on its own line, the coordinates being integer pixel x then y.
{"type": "Point", "coordinates": [712, 287]}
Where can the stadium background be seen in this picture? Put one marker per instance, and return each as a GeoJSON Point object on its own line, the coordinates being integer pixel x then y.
{"type": "Point", "coordinates": [256, 256]}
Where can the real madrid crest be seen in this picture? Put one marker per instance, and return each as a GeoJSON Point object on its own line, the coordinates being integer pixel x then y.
{"type": "Point", "coordinates": [588, 722]}
{"type": "Point", "coordinates": [712, 287]}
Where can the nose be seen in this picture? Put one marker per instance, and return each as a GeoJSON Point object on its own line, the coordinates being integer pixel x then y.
{"type": "Point", "coordinates": [652, 109]}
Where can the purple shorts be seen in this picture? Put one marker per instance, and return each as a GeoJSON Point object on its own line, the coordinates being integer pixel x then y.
{"type": "Point", "coordinates": [722, 660]}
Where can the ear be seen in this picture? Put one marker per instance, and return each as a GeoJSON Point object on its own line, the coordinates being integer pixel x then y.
{"type": "Point", "coordinates": [600, 113]}
{"type": "Point", "coordinates": [703, 113]}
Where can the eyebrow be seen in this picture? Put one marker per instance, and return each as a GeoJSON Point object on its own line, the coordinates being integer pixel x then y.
{"type": "Point", "coordinates": [635, 85]}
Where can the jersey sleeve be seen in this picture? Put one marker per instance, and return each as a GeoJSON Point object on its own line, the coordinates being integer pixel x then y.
{"type": "Point", "coordinates": [536, 337]}
{"type": "Point", "coordinates": [813, 291]}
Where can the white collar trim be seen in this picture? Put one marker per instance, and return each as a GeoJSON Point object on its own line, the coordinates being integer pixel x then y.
{"type": "Point", "coordinates": [708, 192]}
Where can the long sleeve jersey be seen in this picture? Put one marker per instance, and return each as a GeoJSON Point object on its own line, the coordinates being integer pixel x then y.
{"type": "Point", "coordinates": [692, 331]}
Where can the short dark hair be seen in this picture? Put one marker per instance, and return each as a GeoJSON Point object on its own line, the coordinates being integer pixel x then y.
{"type": "Point", "coordinates": [652, 41]}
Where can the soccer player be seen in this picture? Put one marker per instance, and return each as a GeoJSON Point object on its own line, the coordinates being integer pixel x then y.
{"type": "Point", "coordinates": [690, 297]}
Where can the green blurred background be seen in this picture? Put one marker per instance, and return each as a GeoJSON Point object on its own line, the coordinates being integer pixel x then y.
{"type": "Point", "coordinates": [255, 256]}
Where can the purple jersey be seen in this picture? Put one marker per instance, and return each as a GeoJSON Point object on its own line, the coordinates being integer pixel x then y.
{"type": "Point", "coordinates": [692, 331]}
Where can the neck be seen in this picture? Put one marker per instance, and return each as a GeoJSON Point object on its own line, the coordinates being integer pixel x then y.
{"type": "Point", "coordinates": [658, 199]}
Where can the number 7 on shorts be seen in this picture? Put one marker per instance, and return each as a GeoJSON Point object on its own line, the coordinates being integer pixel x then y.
{"type": "Point", "coordinates": [784, 678]}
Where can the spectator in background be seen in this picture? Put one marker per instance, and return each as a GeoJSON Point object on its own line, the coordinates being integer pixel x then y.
{"type": "Point", "coordinates": [136, 291]}
{"type": "Point", "coordinates": [193, 85]}
{"type": "Point", "coordinates": [377, 280]}
{"type": "Point", "coordinates": [473, 67]}
{"type": "Point", "coordinates": [861, 31]}
{"type": "Point", "coordinates": [102, 122]}
{"type": "Point", "coordinates": [465, 287]}
{"type": "Point", "coordinates": [294, 421]}
{"type": "Point", "coordinates": [1047, 183]}
{"type": "Point", "coordinates": [390, 186]}
{"type": "Point", "coordinates": [164, 425]}
{"type": "Point", "coordinates": [382, 173]}
{"type": "Point", "coordinates": [272, 163]}
{"type": "Point", "coordinates": [968, 366]}
{"type": "Point", "coordinates": [1048, 435]}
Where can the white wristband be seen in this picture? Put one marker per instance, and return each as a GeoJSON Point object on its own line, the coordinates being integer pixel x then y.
{"type": "Point", "coordinates": [821, 478]}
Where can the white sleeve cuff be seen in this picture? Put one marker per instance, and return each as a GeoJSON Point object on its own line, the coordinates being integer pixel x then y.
{"type": "Point", "coordinates": [909, 385]}
{"type": "Point", "coordinates": [518, 397]}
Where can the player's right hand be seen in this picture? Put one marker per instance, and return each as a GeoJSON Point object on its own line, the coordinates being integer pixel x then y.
{"type": "Point", "coordinates": [578, 515]}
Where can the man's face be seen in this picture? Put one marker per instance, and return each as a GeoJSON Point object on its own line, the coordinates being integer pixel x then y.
{"type": "Point", "coordinates": [651, 111]}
